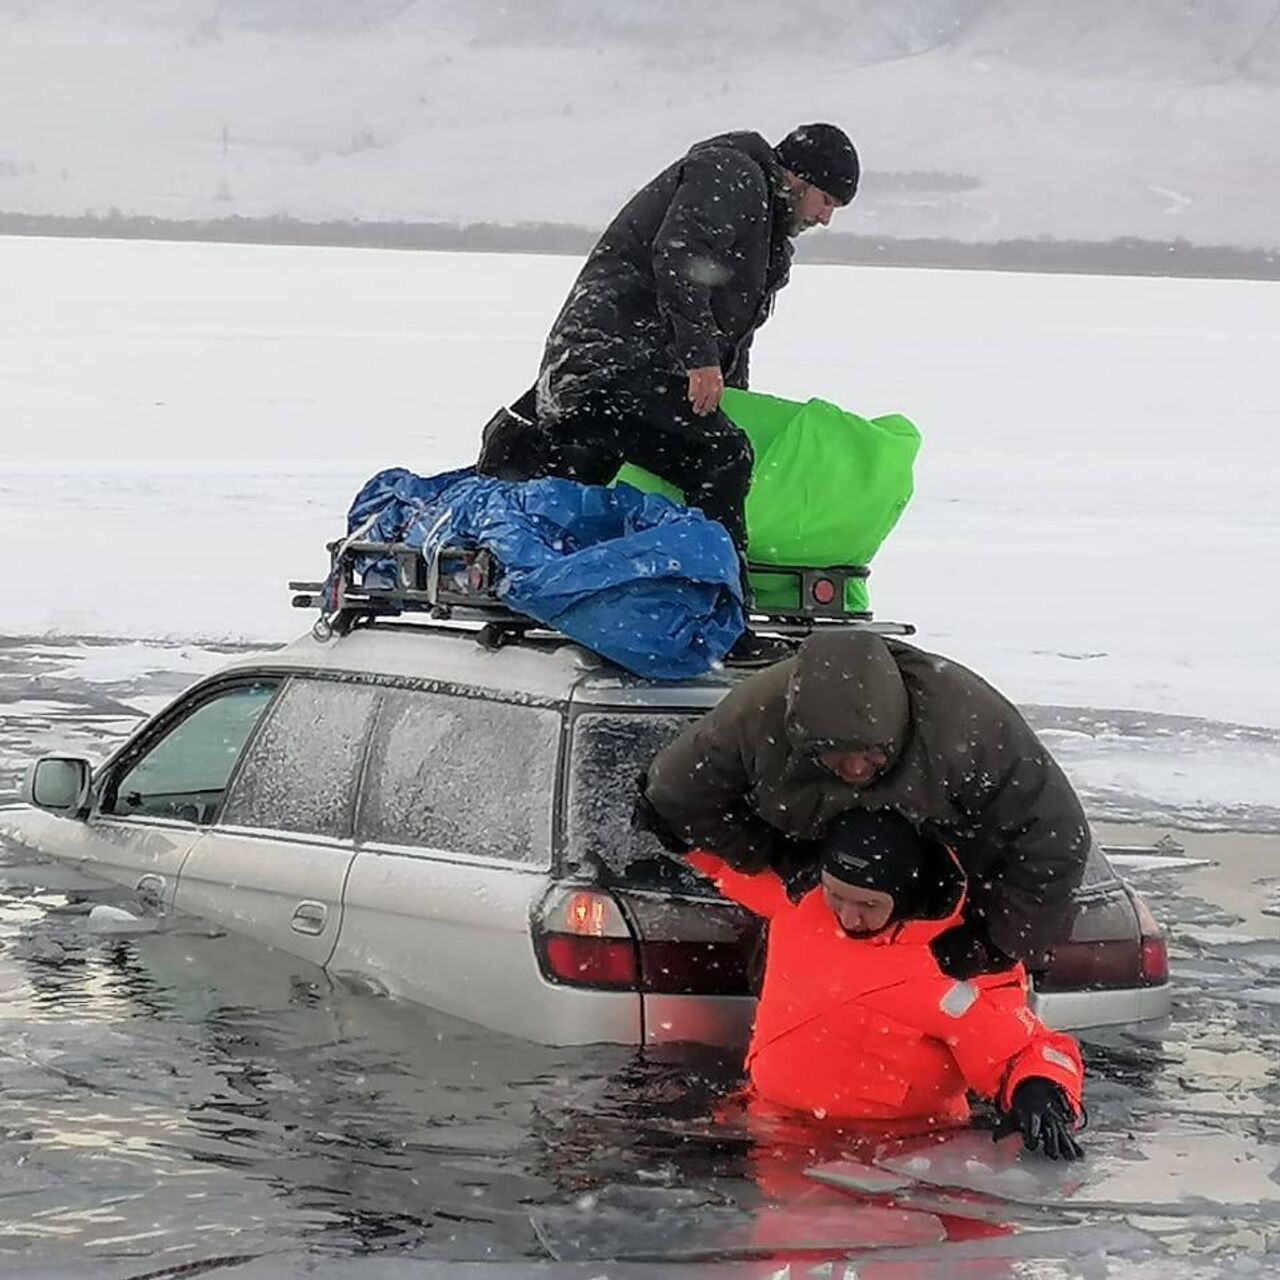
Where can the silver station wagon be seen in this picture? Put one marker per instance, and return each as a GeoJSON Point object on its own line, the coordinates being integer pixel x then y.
{"type": "Point", "coordinates": [448, 821]}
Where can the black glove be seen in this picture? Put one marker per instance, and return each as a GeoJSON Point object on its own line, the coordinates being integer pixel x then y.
{"type": "Point", "coordinates": [644, 817]}
{"type": "Point", "coordinates": [1039, 1110]}
{"type": "Point", "coordinates": [965, 951]}
{"type": "Point", "coordinates": [797, 863]}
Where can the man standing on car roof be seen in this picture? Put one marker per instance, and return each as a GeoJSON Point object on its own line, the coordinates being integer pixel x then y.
{"type": "Point", "coordinates": [857, 721]}
{"type": "Point", "coordinates": [661, 319]}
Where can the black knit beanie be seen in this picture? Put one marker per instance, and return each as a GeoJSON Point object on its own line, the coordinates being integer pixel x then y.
{"type": "Point", "coordinates": [879, 849]}
{"type": "Point", "coordinates": [822, 154]}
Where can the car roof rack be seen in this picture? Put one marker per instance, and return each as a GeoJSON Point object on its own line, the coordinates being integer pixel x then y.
{"type": "Point", "coordinates": [459, 586]}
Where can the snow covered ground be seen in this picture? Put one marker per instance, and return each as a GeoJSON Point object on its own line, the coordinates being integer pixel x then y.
{"type": "Point", "coordinates": [1096, 521]}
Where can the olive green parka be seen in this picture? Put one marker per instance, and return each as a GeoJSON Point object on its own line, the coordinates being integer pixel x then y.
{"type": "Point", "coordinates": [963, 765]}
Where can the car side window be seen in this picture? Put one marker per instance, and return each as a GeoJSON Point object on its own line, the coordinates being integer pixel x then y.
{"type": "Point", "coordinates": [184, 775]}
{"type": "Point", "coordinates": [301, 771]}
{"type": "Point", "coordinates": [462, 774]}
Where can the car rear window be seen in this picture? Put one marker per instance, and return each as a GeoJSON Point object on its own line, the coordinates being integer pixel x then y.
{"type": "Point", "coordinates": [1097, 870]}
{"type": "Point", "coordinates": [608, 752]}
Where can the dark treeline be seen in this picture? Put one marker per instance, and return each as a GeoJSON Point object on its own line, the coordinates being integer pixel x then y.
{"type": "Point", "coordinates": [1124, 256]}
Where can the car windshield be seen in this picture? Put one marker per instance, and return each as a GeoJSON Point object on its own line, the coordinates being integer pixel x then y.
{"type": "Point", "coordinates": [610, 749]}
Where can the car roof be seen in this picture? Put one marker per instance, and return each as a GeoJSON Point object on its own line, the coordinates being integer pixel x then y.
{"type": "Point", "coordinates": [550, 669]}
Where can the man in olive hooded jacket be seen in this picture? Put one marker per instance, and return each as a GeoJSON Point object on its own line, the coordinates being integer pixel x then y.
{"type": "Point", "coordinates": [858, 721]}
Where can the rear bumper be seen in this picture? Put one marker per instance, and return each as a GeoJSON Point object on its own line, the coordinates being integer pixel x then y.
{"type": "Point", "coordinates": [721, 1021]}
{"type": "Point", "coordinates": [1075, 1010]}
{"type": "Point", "coordinates": [569, 1016]}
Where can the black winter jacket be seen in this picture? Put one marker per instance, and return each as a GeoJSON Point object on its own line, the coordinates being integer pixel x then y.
{"type": "Point", "coordinates": [680, 280]}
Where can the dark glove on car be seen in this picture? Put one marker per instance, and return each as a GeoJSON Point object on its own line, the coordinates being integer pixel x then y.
{"type": "Point", "coordinates": [966, 951]}
{"type": "Point", "coordinates": [644, 817]}
{"type": "Point", "coordinates": [797, 863]}
{"type": "Point", "coordinates": [1039, 1110]}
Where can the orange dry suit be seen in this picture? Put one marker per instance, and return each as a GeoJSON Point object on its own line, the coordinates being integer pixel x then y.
{"type": "Point", "coordinates": [871, 1029]}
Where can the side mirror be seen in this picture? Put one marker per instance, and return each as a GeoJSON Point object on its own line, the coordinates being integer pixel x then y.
{"type": "Point", "coordinates": [59, 784]}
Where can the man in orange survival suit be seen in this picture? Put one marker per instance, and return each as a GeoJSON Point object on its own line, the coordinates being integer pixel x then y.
{"type": "Point", "coordinates": [856, 1022]}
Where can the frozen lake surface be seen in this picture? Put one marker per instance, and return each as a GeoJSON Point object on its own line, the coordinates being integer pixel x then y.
{"type": "Point", "coordinates": [183, 1095]}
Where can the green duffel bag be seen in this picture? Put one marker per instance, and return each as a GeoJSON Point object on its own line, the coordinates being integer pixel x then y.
{"type": "Point", "coordinates": [827, 488]}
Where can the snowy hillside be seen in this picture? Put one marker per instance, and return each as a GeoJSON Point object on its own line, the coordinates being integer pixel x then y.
{"type": "Point", "coordinates": [978, 119]}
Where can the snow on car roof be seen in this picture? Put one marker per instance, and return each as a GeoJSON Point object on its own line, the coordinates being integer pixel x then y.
{"type": "Point", "coordinates": [608, 686]}
{"type": "Point", "coordinates": [554, 669]}
{"type": "Point", "coordinates": [425, 653]}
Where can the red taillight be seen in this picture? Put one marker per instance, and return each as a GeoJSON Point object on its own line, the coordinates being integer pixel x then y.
{"type": "Point", "coordinates": [591, 962]}
{"type": "Point", "coordinates": [1155, 962]}
{"type": "Point", "coordinates": [824, 590]}
{"type": "Point", "coordinates": [1093, 966]}
{"type": "Point", "coordinates": [1155, 952]}
{"type": "Point", "coordinates": [582, 940]}
{"type": "Point", "coordinates": [695, 968]}
{"type": "Point", "coordinates": [663, 946]}
{"type": "Point", "coordinates": [704, 947]}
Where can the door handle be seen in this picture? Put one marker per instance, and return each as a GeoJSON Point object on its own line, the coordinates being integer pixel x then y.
{"type": "Point", "coordinates": [151, 886]}
{"type": "Point", "coordinates": [309, 917]}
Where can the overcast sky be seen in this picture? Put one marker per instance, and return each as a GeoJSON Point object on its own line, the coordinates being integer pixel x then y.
{"type": "Point", "coordinates": [977, 119]}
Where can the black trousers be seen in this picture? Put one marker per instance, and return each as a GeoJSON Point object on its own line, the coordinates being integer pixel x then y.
{"type": "Point", "coordinates": [708, 458]}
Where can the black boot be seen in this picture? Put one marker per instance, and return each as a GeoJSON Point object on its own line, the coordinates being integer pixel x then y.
{"type": "Point", "coordinates": [511, 446]}
{"type": "Point", "coordinates": [752, 650]}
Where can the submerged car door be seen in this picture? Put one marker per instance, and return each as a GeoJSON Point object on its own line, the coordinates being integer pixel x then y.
{"type": "Point", "coordinates": [454, 848]}
{"type": "Point", "coordinates": [273, 866]}
{"type": "Point", "coordinates": [157, 796]}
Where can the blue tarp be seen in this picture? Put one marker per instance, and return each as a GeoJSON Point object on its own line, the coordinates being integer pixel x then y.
{"type": "Point", "coordinates": [648, 584]}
